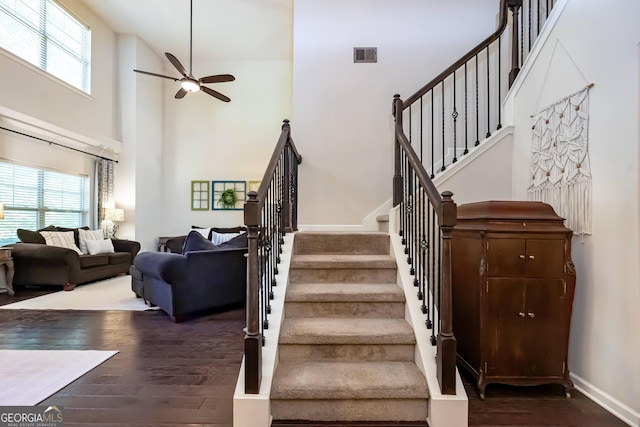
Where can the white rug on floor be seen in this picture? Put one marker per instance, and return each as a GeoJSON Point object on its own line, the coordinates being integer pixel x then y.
{"type": "Point", "coordinates": [110, 294]}
{"type": "Point", "coordinates": [27, 377]}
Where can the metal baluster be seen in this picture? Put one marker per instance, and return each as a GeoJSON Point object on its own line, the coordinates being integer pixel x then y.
{"type": "Point", "coordinates": [421, 125]}
{"type": "Point", "coordinates": [443, 168]}
{"type": "Point", "coordinates": [423, 250]}
{"type": "Point", "coordinates": [455, 119]}
{"type": "Point", "coordinates": [499, 83]}
{"type": "Point", "coordinates": [433, 141]}
{"type": "Point", "coordinates": [488, 97]}
{"type": "Point", "coordinates": [425, 305]}
{"type": "Point", "coordinates": [529, 27]}
{"type": "Point", "coordinates": [477, 107]}
{"type": "Point", "coordinates": [466, 115]}
{"type": "Point", "coordinates": [414, 221]}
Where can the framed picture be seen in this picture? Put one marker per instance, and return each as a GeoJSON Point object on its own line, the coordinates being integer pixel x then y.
{"type": "Point", "coordinates": [228, 195]}
{"type": "Point", "coordinates": [200, 195]}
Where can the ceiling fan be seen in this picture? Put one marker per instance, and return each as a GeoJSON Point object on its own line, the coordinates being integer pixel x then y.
{"type": "Point", "coordinates": [188, 83]}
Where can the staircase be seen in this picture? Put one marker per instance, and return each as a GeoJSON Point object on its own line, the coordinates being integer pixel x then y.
{"type": "Point", "coordinates": [346, 352]}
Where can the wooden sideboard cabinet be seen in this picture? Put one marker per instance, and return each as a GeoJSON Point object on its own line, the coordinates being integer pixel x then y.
{"type": "Point", "coordinates": [513, 283]}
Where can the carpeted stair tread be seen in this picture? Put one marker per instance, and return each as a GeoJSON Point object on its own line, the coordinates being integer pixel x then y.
{"type": "Point", "coordinates": [346, 331]}
{"type": "Point", "coordinates": [344, 292]}
{"type": "Point", "coordinates": [331, 261]}
{"type": "Point", "coordinates": [348, 380]}
{"type": "Point", "coordinates": [330, 242]}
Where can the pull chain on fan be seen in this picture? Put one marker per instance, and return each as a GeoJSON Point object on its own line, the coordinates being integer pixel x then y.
{"type": "Point", "coordinates": [188, 83]}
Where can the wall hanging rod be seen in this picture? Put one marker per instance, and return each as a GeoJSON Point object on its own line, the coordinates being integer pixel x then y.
{"type": "Point", "coordinates": [59, 145]}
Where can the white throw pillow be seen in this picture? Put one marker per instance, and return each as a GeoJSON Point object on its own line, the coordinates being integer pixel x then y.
{"type": "Point", "coordinates": [100, 247]}
{"type": "Point", "coordinates": [203, 231]}
{"type": "Point", "coordinates": [85, 235]}
{"type": "Point", "coordinates": [62, 239]}
{"type": "Point", "coordinates": [220, 238]}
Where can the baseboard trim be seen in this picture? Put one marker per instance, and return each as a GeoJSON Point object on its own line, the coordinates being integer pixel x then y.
{"type": "Point", "coordinates": [608, 402]}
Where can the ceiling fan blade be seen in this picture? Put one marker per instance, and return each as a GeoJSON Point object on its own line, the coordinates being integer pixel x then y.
{"type": "Point", "coordinates": [218, 78]}
{"type": "Point", "coordinates": [176, 64]}
{"type": "Point", "coordinates": [157, 75]}
{"type": "Point", "coordinates": [181, 93]}
{"type": "Point", "coordinates": [215, 94]}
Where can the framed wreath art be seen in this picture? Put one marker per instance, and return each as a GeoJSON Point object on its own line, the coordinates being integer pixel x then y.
{"type": "Point", "coordinates": [228, 195]}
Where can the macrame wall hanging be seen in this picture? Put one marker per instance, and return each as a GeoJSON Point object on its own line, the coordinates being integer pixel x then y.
{"type": "Point", "coordinates": [560, 167]}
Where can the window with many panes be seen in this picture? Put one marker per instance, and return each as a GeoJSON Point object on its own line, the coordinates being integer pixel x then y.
{"type": "Point", "coordinates": [34, 198]}
{"type": "Point", "coordinates": [43, 33]}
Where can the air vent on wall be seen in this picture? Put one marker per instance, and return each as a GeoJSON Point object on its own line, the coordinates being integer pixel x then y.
{"type": "Point", "coordinates": [365, 54]}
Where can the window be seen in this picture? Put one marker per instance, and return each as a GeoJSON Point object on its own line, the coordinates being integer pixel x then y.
{"type": "Point", "coordinates": [44, 34]}
{"type": "Point", "coordinates": [35, 198]}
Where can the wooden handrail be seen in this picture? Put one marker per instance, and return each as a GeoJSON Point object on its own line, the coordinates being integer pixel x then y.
{"type": "Point", "coordinates": [460, 62]}
{"type": "Point", "coordinates": [283, 141]}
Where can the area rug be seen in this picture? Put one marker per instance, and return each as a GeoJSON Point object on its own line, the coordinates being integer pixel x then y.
{"type": "Point", "coordinates": [110, 294]}
{"type": "Point", "coordinates": [27, 377]}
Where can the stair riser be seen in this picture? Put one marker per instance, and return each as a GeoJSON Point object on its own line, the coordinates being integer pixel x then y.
{"type": "Point", "coordinates": [345, 309]}
{"type": "Point", "coordinates": [339, 275]}
{"type": "Point", "coordinates": [350, 410]}
{"type": "Point", "coordinates": [354, 244]}
{"type": "Point", "coordinates": [348, 352]}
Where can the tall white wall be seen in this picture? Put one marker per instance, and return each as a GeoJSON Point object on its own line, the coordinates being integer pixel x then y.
{"type": "Point", "coordinates": [340, 107]}
{"type": "Point", "coordinates": [30, 91]}
{"type": "Point", "coordinates": [594, 42]}
{"type": "Point", "coordinates": [138, 177]}
{"type": "Point", "coordinates": [206, 139]}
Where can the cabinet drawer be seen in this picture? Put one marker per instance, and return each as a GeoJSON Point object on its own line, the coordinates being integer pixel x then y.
{"type": "Point", "coordinates": [505, 257]}
{"type": "Point", "coordinates": [545, 258]}
{"type": "Point", "coordinates": [525, 258]}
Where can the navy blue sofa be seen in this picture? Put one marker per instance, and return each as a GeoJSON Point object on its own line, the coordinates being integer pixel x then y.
{"type": "Point", "coordinates": [204, 277]}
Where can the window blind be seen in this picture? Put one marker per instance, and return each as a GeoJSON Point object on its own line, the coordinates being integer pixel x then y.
{"type": "Point", "coordinates": [44, 34]}
{"type": "Point", "coordinates": [34, 198]}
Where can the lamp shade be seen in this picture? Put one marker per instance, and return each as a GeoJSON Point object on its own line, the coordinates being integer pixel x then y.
{"type": "Point", "coordinates": [114, 214]}
{"type": "Point", "coordinates": [1, 211]}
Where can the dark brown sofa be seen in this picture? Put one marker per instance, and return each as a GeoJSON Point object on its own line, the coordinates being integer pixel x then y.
{"type": "Point", "coordinates": [40, 264]}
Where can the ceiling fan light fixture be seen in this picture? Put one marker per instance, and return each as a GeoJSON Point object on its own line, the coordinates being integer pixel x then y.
{"type": "Point", "coordinates": [190, 85]}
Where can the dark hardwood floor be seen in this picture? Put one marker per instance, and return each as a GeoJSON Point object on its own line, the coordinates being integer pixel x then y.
{"type": "Point", "coordinates": [168, 374]}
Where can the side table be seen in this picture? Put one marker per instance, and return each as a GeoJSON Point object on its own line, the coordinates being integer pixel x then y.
{"type": "Point", "coordinates": [7, 260]}
{"type": "Point", "coordinates": [162, 243]}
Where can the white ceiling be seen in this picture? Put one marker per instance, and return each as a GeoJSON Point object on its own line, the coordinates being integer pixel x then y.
{"type": "Point", "coordinates": [222, 29]}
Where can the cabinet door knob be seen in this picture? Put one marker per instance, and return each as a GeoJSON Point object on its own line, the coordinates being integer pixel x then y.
{"type": "Point", "coordinates": [521, 314]}
{"type": "Point", "coordinates": [521, 256]}
{"type": "Point", "coordinates": [531, 315]}
{"type": "Point", "coordinates": [532, 257]}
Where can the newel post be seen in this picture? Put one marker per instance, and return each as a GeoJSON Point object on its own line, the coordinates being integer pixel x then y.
{"type": "Point", "coordinates": [514, 6]}
{"type": "Point", "coordinates": [397, 176]}
{"type": "Point", "coordinates": [252, 338]}
{"type": "Point", "coordinates": [286, 182]}
{"type": "Point", "coordinates": [446, 343]}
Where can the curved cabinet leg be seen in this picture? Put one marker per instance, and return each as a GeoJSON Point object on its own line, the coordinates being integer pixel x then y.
{"type": "Point", "coordinates": [69, 287]}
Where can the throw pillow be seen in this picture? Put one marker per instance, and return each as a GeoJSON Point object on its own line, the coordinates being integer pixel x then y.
{"type": "Point", "coordinates": [76, 234]}
{"type": "Point", "coordinates": [29, 236]}
{"type": "Point", "coordinates": [220, 238]}
{"type": "Point", "coordinates": [63, 239]}
{"type": "Point", "coordinates": [240, 241]}
{"type": "Point", "coordinates": [229, 229]}
{"type": "Point", "coordinates": [204, 231]}
{"type": "Point", "coordinates": [197, 242]}
{"type": "Point", "coordinates": [96, 247]}
{"type": "Point", "coordinates": [85, 235]}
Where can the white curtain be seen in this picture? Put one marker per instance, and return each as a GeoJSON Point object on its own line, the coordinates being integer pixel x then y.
{"type": "Point", "coordinates": [104, 190]}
